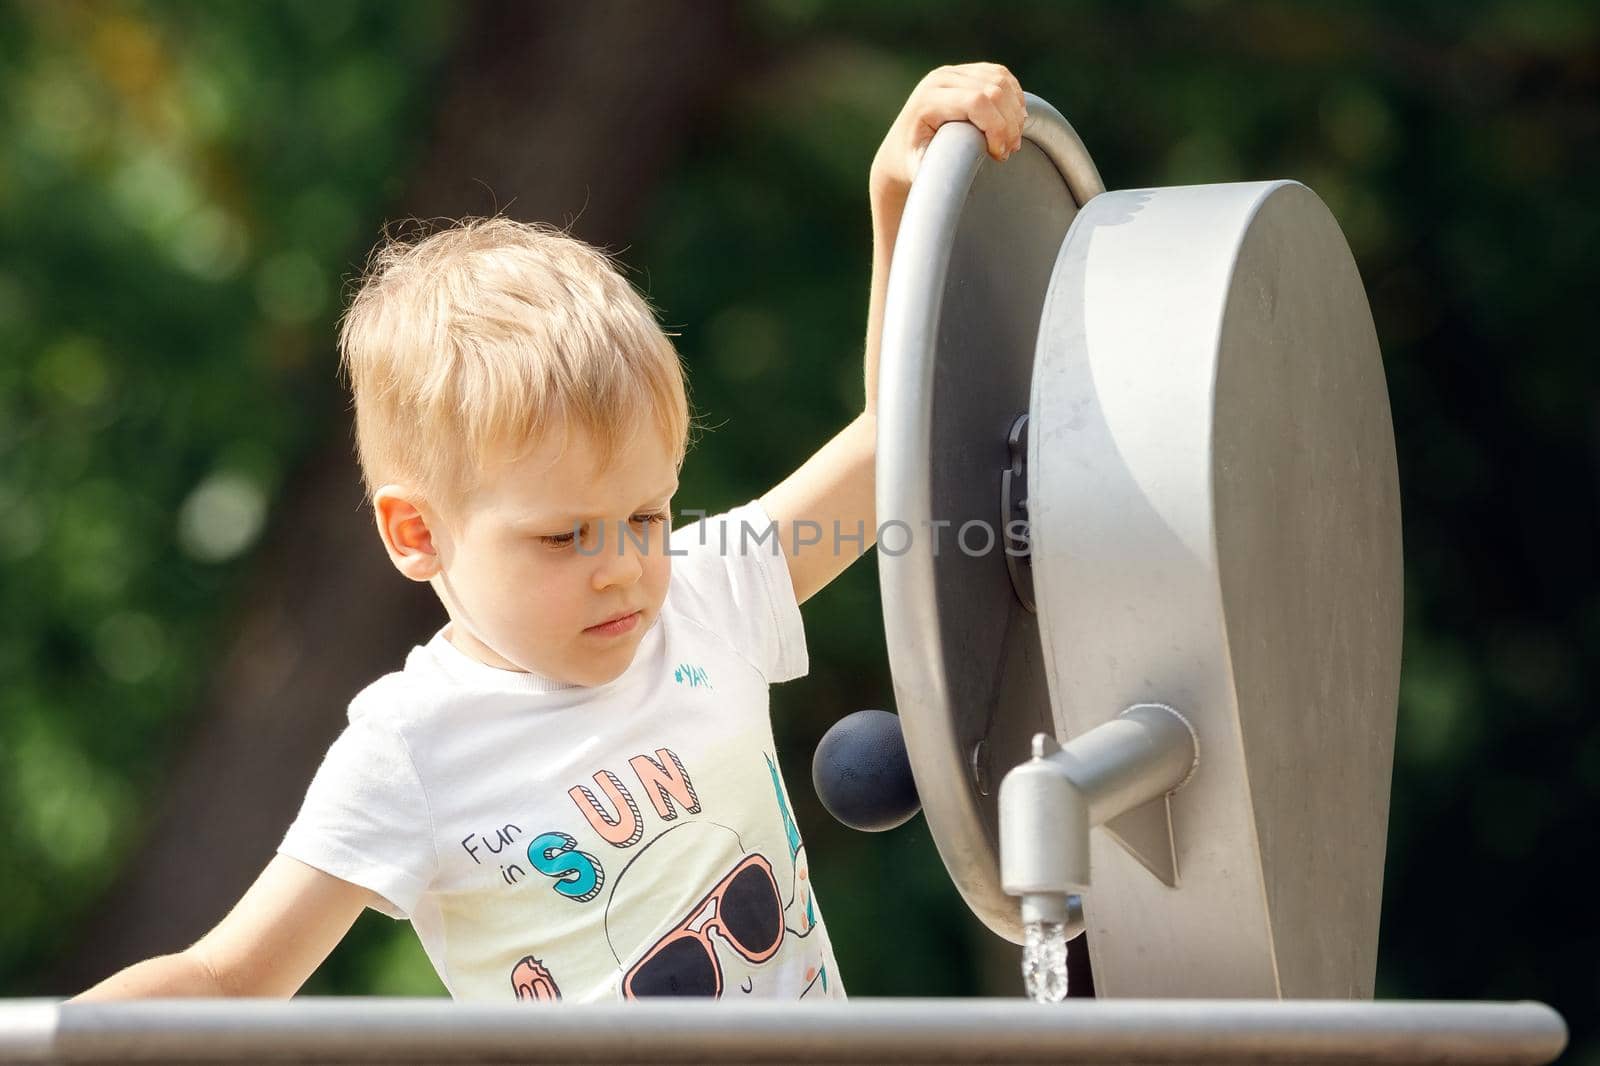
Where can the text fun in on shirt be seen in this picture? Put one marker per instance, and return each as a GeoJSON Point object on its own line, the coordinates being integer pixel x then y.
{"type": "Point", "coordinates": [577, 875]}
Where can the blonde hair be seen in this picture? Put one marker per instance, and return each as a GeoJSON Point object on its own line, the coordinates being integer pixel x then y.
{"type": "Point", "coordinates": [466, 347]}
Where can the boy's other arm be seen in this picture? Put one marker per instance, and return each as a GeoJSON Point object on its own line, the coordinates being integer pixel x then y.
{"type": "Point", "coordinates": [819, 509]}
{"type": "Point", "coordinates": [270, 942]}
{"type": "Point", "coordinates": [839, 483]}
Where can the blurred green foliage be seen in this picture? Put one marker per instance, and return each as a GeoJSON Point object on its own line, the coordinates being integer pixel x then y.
{"type": "Point", "coordinates": [183, 186]}
{"type": "Point", "coordinates": [181, 189]}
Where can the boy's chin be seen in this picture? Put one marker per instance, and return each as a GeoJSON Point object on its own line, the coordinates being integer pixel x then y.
{"type": "Point", "coordinates": [604, 669]}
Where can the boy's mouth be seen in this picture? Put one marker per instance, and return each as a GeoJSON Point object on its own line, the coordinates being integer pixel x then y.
{"type": "Point", "coordinates": [618, 624]}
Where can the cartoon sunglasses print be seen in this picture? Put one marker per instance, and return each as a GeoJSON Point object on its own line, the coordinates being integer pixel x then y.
{"type": "Point", "coordinates": [744, 907]}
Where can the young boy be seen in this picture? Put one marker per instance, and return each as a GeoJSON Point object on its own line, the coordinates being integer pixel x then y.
{"type": "Point", "coordinates": [571, 789]}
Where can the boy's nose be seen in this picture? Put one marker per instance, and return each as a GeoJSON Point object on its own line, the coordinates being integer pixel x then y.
{"type": "Point", "coordinates": [619, 561]}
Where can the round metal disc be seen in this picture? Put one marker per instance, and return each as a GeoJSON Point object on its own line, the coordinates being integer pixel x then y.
{"type": "Point", "coordinates": [1216, 527]}
{"type": "Point", "coordinates": [977, 243]}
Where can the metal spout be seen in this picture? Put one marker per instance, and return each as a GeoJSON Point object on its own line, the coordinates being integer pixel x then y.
{"type": "Point", "coordinates": [1049, 803]}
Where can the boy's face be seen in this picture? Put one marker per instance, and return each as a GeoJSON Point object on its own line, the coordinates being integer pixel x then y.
{"type": "Point", "coordinates": [523, 592]}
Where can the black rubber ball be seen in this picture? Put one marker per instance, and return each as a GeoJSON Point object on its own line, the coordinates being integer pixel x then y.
{"type": "Point", "coordinates": [862, 775]}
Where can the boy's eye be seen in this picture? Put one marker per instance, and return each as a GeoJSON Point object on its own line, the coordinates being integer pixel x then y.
{"type": "Point", "coordinates": [563, 540]}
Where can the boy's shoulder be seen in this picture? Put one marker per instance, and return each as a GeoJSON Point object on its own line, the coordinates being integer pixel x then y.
{"type": "Point", "coordinates": [709, 556]}
{"type": "Point", "coordinates": [388, 703]}
{"type": "Point", "coordinates": [736, 531]}
{"type": "Point", "coordinates": [389, 690]}
{"type": "Point", "coordinates": [730, 577]}
{"type": "Point", "coordinates": [402, 697]}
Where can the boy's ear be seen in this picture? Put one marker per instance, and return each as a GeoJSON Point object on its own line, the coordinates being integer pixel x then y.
{"type": "Point", "coordinates": [405, 534]}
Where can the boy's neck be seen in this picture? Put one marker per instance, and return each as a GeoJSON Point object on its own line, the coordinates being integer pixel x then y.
{"type": "Point", "coordinates": [467, 645]}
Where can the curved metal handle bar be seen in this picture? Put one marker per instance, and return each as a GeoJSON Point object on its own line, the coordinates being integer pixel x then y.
{"type": "Point", "coordinates": [917, 280]}
{"type": "Point", "coordinates": [1047, 128]}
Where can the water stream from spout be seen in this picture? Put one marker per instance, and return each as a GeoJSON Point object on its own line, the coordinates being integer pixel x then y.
{"type": "Point", "coordinates": [1044, 961]}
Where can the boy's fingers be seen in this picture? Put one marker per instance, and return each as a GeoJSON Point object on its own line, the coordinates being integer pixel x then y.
{"type": "Point", "coordinates": [985, 94]}
{"type": "Point", "coordinates": [983, 69]}
{"type": "Point", "coordinates": [1015, 113]}
{"type": "Point", "coordinates": [995, 74]}
{"type": "Point", "coordinates": [999, 115]}
{"type": "Point", "coordinates": [991, 119]}
{"type": "Point", "coordinates": [1002, 91]}
{"type": "Point", "coordinates": [960, 104]}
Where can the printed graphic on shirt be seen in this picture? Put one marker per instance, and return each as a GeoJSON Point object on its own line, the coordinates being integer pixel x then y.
{"type": "Point", "coordinates": [802, 874]}
{"type": "Point", "coordinates": [722, 941]}
{"type": "Point", "coordinates": [621, 826]}
{"type": "Point", "coordinates": [747, 930]}
{"type": "Point", "coordinates": [692, 675]}
{"type": "Point", "coordinates": [532, 981]}
{"type": "Point", "coordinates": [579, 876]}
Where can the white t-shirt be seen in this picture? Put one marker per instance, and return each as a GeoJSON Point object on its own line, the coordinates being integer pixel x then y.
{"type": "Point", "coordinates": [592, 842]}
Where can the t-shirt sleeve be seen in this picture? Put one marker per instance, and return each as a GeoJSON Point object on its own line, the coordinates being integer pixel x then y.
{"type": "Point", "coordinates": [735, 580]}
{"type": "Point", "coordinates": [365, 816]}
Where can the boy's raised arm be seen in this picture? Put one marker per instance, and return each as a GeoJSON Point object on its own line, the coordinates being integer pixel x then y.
{"type": "Point", "coordinates": [821, 507]}
{"type": "Point", "coordinates": [270, 942]}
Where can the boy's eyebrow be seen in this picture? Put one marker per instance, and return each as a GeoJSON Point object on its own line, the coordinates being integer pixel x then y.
{"type": "Point", "coordinates": [554, 521]}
